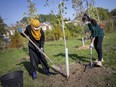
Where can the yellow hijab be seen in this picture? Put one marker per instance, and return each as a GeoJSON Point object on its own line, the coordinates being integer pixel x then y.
{"type": "Point", "coordinates": [35, 33]}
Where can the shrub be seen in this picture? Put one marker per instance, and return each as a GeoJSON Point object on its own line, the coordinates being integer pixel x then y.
{"type": "Point", "coordinates": [16, 41]}
{"type": "Point", "coordinates": [110, 26]}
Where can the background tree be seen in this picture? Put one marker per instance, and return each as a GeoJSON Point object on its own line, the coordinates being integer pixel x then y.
{"type": "Point", "coordinates": [2, 28]}
{"type": "Point", "coordinates": [32, 11]}
{"type": "Point", "coordinates": [24, 20]}
{"type": "Point", "coordinates": [77, 5]}
{"type": "Point", "coordinates": [103, 13]}
{"type": "Point", "coordinates": [113, 12]}
{"type": "Point", "coordinates": [47, 17]}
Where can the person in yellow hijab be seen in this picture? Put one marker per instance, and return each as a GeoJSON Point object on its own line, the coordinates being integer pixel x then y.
{"type": "Point", "coordinates": [36, 34]}
{"type": "Point", "coordinates": [35, 26]}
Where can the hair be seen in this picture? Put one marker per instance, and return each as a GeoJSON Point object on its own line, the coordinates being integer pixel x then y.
{"type": "Point", "coordinates": [93, 21]}
{"type": "Point", "coordinates": [85, 17]}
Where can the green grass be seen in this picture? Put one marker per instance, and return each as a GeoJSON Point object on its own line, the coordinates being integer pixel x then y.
{"type": "Point", "coordinates": [109, 50]}
{"type": "Point", "coordinates": [10, 60]}
{"type": "Point", "coordinates": [109, 55]}
{"type": "Point", "coordinates": [56, 51]}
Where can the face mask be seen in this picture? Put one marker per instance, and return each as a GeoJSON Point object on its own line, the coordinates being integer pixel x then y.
{"type": "Point", "coordinates": [86, 22]}
{"type": "Point", "coordinates": [36, 28]}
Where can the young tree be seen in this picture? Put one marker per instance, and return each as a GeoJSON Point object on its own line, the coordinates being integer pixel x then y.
{"type": "Point", "coordinates": [78, 7]}
{"type": "Point", "coordinates": [32, 11]}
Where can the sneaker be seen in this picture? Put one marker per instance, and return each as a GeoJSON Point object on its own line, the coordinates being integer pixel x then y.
{"type": "Point", "coordinates": [34, 75]}
{"type": "Point", "coordinates": [99, 63]}
{"type": "Point", "coordinates": [102, 60]}
{"type": "Point", "coordinates": [47, 71]}
{"type": "Point", "coordinates": [97, 60]}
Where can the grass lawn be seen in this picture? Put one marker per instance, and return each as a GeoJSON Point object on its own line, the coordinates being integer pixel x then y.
{"type": "Point", "coordinates": [11, 59]}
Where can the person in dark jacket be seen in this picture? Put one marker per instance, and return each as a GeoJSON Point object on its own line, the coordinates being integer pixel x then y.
{"type": "Point", "coordinates": [36, 34]}
{"type": "Point", "coordinates": [97, 35]}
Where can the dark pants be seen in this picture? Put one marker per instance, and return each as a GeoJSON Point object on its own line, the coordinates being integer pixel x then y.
{"type": "Point", "coordinates": [37, 58]}
{"type": "Point", "coordinates": [98, 47]}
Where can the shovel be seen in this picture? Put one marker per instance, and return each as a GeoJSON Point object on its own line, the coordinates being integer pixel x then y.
{"type": "Point", "coordinates": [91, 64]}
{"type": "Point", "coordinates": [54, 67]}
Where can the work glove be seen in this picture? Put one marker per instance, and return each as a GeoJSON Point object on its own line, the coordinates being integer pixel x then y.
{"type": "Point", "coordinates": [91, 45]}
{"type": "Point", "coordinates": [41, 49]}
{"type": "Point", "coordinates": [20, 30]}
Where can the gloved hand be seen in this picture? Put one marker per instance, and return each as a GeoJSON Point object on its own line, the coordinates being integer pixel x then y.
{"type": "Point", "coordinates": [91, 45]}
{"type": "Point", "coordinates": [41, 49]}
{"type": "Point", "coordinates": [20, 30]}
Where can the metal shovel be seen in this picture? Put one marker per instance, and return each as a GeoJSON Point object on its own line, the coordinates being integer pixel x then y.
{"type": "Point", "coordinates": [91, 64]}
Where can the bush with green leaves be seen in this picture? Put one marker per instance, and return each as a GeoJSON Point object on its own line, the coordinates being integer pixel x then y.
{"type": "Point", "coordinates": [110, 26]}
{"type": "Point", "coordinates": [16, 40]}
{"type": "Point", "coordinates": [49, 36]}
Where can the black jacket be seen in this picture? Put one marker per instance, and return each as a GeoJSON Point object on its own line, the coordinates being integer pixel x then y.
{"type": "Point", "coordinates": [39, 43]}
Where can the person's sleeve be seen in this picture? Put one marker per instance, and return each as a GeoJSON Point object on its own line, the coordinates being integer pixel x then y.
{"type": "Point", "coordinates": [27, 30]}
{"type": "Point", "coordinates": [42, 39]}
{"type": "Point", "coordinates": [90, 26]}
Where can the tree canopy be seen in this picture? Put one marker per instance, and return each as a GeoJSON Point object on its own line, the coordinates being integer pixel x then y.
{"type": "Point", "coordinates": [113, 12]}
{"type": "Point", "coordinates": [103, 13]}
{"type": "Point", "coordinates": [2, 27]}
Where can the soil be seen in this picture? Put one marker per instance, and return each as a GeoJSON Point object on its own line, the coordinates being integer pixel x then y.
{"type": "Point", "coordinates": [84, 47]}
{"type": "Point", "coordinates": [79, 77]}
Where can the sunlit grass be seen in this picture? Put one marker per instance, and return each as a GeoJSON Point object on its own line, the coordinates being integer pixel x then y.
{"type": "Point", "coordinates": [10, 60]}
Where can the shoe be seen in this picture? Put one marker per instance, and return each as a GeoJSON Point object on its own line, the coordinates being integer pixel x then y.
{"type": "Point", "coordinates": [99, 63]}
{"type": "Point", "coordinates": [97, 60]}
{"type": "Point", "coordinates": [102, 60]}
{"type": "Point", "coordinates": [34, 75]}
{"type": "Point", "coordinates": [47, 72]}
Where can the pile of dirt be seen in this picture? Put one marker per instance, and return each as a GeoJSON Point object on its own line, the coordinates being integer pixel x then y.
{"type": "Point", "coordinates": [95, 77]}
{"type": "Point", "coordinates": [83, 47]}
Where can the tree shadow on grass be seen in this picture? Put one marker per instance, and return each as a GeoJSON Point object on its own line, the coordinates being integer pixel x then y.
{"type": "Point", "coordinates": [79, 39]}
{"type": "Point", "coordinates": [75, 57]}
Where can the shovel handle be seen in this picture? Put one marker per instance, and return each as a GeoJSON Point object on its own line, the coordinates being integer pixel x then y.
{"type": "Point", "coordinates": [37, 47]}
